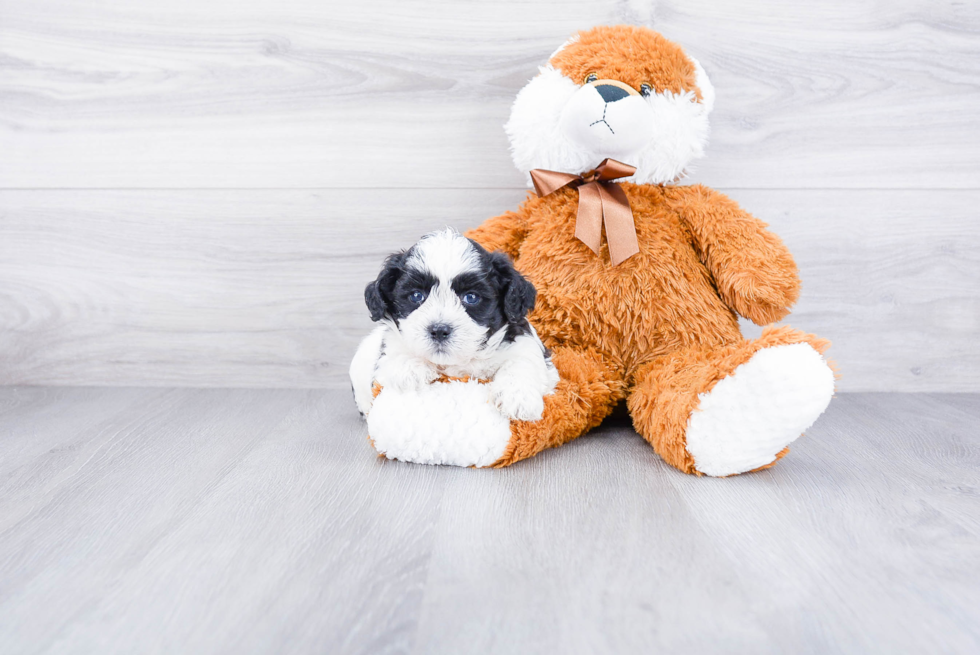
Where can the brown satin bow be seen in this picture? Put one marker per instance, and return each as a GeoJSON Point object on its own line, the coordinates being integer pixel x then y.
{"type": "Point", "coordinates": [599, 200]}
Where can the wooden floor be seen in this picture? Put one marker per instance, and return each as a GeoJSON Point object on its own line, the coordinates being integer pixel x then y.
{"type": "Point", "coordinates": [241, 521]}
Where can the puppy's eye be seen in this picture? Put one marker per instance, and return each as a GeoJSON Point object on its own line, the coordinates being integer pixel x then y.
{"type": "Point", "coordinates": [417, 297]}
{"type": "Point", "coordinates": [590, 78]}
{"type": "Point", "coordinates": [470, 298]}
{"type": "Point", "coordinates": [645, 89]}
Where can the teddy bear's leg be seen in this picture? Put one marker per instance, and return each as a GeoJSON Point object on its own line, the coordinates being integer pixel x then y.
{"type": "Point", "coordinates": [735, 408]}
{"type": "Point", "coordinates": [588, 390]}
{"type": "Point", "coordinates": [452, 423]}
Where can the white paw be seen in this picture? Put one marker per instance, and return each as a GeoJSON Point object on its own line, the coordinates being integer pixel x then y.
{"type": "Point", "coordinates": [764, 405]}
{"type": "Point", "coordinates": [403, 374]}
{"type": "Point", "coordinates": [517, 401]}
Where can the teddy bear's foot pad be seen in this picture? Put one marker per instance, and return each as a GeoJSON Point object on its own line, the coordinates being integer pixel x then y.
{"type": "Point", "coordinates": [448, 423]}
{"type": "Point", "coordinates": [764, 405]}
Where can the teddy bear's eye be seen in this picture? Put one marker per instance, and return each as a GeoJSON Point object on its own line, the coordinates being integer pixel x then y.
{"type": "Point", "coordinates": [590, 78]}
{"type": "Point", "coordinates": [645, 89]}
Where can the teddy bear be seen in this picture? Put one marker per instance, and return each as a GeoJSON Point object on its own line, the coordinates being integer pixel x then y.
{"type": "Point", "coordinates": [640, 280]}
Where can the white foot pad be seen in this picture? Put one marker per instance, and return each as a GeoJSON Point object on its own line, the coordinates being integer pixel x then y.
{"type": "Point", "coordinates": [764, 405]}
{"type": "Point", "coordinates": [444, 423]}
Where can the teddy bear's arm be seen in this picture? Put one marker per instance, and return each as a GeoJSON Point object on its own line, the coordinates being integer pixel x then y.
{"type": "Point", "coordinates": [504, 233]}
{"type": "Point", "coordinates": [753, 270]}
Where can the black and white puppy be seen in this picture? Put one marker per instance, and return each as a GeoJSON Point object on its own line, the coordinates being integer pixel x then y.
{"type": "Point", "coordinates": [448, 307]}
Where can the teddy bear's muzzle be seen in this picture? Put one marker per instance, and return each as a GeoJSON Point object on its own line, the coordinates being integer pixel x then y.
{"type": "Point", "coordinates": [609, 119]}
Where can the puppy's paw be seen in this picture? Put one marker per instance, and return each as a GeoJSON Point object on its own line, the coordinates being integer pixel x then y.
{"type": "Point", "coordinates": [404, 374]}
{"type": "Point", "coordinates": [517, 401]}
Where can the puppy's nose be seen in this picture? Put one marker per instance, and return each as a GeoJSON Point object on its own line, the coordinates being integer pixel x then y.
{"type": "Point", "coordinates": [439, 332]}
{"type": "Point", "coordinates": [611, 93]}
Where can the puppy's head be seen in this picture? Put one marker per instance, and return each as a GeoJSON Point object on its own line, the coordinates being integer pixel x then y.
{"type": "Point", "coordinates": [617, 91]}
{"type": "Point", "coordinates": [450, 300]}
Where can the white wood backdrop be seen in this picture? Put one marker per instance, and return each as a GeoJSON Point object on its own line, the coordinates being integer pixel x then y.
{"type": "Point", "coordinates": [195, 192]}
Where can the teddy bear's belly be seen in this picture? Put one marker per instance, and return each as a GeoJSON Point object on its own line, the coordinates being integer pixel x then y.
{"type": "Point", "coordinates": [660, 300]}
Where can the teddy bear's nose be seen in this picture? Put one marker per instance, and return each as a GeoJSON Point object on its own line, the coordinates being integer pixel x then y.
{"type": "Point", "coordinates": [611, 93]}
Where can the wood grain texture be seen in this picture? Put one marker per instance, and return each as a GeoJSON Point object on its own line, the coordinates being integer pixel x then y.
{"type": "Point", "coordinates": [194, 193]}
{"type": "Point", "coordinates": [249, 521]}
{"type": "Point", "coordinates": [265, 288]}
{"type": "Point", "coordinates": [395, 93]}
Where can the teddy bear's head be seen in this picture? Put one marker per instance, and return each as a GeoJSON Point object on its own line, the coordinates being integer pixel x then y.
{"type": "Point", "coordinates": [622, 92]}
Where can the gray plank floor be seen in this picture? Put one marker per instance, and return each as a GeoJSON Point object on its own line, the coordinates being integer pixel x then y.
{"type": "Point", "coordinates": [259, 521]}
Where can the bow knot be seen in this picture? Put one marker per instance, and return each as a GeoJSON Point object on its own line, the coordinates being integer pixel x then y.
{"type": "Point", "coordinates": [600, 201]}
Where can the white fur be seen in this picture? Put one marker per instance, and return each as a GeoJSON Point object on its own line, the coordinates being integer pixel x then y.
{"type": "Point", "coordinates": [536, 138]}
{"type": "Point", "coordinates": [362, 368]}
{"type": "Point", "coordinates": [552, 126]}
{"type": "Point", "coordinates": [680, 134]}
{"type": "Point", "coordinates": [400, 368]}
{"type": "Point", "coordinates": [445, 254]}
{"type": "Point", "coordinates": [453, 423]}
{"type": "Point", "coordinates": [611, 128]}
{"type": "Point", "coordinates": [705, 86]}
{"type": "Point", "coordinates": [763, 406]}
{"type": "Point", "coordinates": [519, 382]}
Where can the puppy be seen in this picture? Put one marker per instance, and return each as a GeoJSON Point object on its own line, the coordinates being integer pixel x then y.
{"type": "Point", "coordinates": [448, 307]}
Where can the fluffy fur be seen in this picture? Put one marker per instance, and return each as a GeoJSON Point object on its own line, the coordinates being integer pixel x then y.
{"type": "Point", "coordinates": [659, 330]}
{"type": "Point", "coordinates": [469, 430]}
{"type": "Point", "coordinates": [448, 308]}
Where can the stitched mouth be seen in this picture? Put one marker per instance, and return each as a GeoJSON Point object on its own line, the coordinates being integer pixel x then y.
{"type": "Point", "coordinates": [603, 119]}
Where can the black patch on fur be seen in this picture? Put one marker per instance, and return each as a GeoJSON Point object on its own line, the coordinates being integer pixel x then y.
{"type": "Point", "coordinates": [506, 296]}
{"type": "Point", "coordinates": [410, 281]}
{"type": "Point", "coordinates": [388, 296]}
{"type": "Point", "coordinates": [378, 295]}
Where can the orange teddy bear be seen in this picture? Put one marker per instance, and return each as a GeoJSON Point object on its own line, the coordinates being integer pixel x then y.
{"type": "Point", "coordinates": [656, 324]}
{"type": "Point", "coordinates": [647, 314]}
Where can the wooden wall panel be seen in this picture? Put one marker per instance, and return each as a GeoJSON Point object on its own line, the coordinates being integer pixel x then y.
{"type": "Point", "coordinates": [264, 288]}
{"type": "Point", "coordinates": [195, 192]}
{"type": "Point", "coordinates": [308, 93]}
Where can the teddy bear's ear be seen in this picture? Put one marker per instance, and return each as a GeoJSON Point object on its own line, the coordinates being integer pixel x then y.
{"type": "Point", "coordinates": [570, 40]}
{"type": "Point", "coordinates": [704, 85]}
{"type": "Point", "coordinates": [518, 295]}
{"type": "Point", "coordinates": [378, 294]}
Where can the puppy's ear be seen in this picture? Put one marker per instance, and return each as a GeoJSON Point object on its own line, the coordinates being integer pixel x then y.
{"type": "Point", "coordinates": [374, 301]}
{"type": "Point", "coordinates": [518, 294]}
{"type": "Point", "coordinates": [378, 294]}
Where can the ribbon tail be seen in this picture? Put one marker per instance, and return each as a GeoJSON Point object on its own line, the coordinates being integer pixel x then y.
{"type": "Point", "coordinates": [546, 182]}
{"type": "Point", "coordinates": [618, 218]}
{"type": "Point", "coordinates": [588, 220]}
